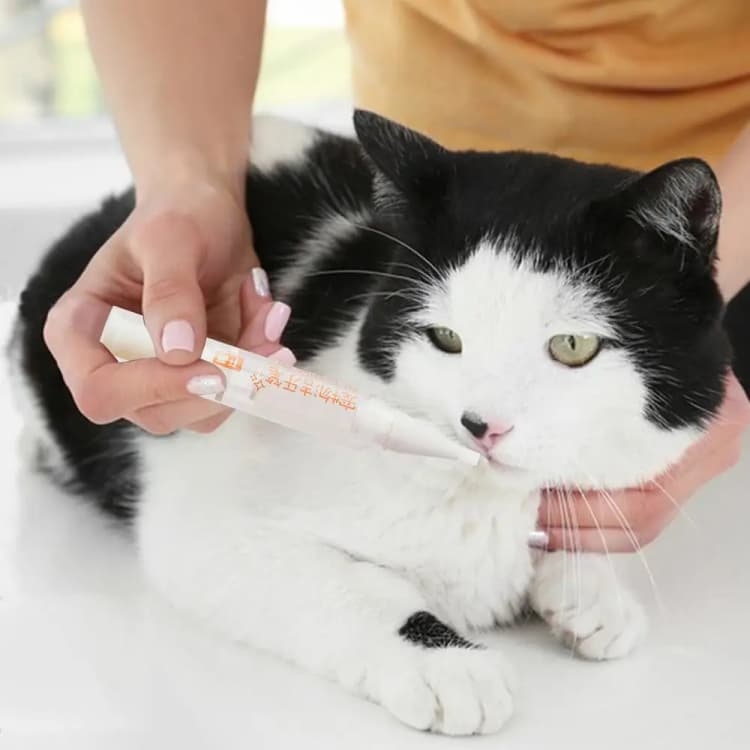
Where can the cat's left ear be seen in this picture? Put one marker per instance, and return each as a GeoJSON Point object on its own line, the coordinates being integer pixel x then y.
{"type": "Point", "coordinates": [680, 203]}
{"type": "Point", "coordinates": [412, 162]}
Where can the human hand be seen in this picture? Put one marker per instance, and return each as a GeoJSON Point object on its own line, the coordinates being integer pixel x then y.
{"type": "Point", "coordinates": [627, 520]}
{"type": "Point", "coordinates": [183, 257]}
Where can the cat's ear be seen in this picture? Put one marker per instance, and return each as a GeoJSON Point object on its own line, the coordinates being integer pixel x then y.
{"type": "Point", "coordinates": [410, 161]}
{"type": "Point", "coordinates": [679, 204]}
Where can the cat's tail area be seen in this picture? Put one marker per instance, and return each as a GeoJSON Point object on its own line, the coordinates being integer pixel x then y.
{"type": "Point", "coordinates": [737, 322]}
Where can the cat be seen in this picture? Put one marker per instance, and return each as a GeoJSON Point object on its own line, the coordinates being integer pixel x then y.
{"type": "Point", "coordinates": [560, 317]}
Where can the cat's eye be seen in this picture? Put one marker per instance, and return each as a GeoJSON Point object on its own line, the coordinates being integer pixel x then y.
{"type": "Point", "coordinates": [574, 351]}
{"type": "Point", "coordinates": [445, 339]}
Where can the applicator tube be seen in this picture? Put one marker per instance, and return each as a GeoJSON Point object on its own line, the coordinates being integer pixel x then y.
{"type": "Point", "coordinates": [295, 398]}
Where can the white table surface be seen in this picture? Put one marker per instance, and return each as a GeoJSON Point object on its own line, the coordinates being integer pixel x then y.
{"type": "Point", "coordinates": [90, 659]}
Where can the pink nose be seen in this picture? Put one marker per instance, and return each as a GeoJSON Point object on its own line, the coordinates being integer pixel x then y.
{"type": "Point", "coordinates": [485, 434]}
{"type": "Point", "coordinates": [493, 435]}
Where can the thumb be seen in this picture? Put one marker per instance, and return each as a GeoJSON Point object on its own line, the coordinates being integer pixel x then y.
{"type": "Point", "coordinates": [173, 304]}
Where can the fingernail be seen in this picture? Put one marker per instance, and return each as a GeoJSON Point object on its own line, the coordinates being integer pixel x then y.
{"type": "Point", "coordinates": [205, 385]}
{"type": "Point", "coordinates": [278, 317]}
{"type": "Point", "coordinates": [284, 357]}
{"type": "Point", "coordinates": [178, 334]}
{"type": "Point", "coordinates": [260, 282]}
{"type": "Point", "coordinates": [539, 539]}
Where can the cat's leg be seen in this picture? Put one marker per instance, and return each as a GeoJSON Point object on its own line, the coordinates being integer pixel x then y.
{"type": "Point", "coordinates": [585, 606]}
{"type": "Point", "coordinates": [357, 623]}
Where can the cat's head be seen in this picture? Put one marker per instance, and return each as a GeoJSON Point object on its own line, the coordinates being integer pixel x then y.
{"type": "Point", "coordinates": [563, 316]}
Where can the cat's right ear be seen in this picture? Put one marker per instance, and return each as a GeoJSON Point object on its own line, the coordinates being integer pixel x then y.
{"type": "Point", "coordinates": [410, 161]}
{"type": "Point", "coordinates": [670, 214]}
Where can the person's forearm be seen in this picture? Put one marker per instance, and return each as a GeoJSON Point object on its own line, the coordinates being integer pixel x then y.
{"type": "Point", "coordinates": [734, 235]}
{"type": "Point", "coordinates": [179, 76]}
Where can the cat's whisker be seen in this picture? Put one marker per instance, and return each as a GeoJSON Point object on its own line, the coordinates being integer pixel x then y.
{"type": "Point", "coordinates": [577, 550]}
{"type": "Point", "coordinates": [564, 587]}
{"type": "Point", "coordinates": [678, 507]}
{"type": "Point", "coordinates": [430, 280]}
{"type": "Point", "coordinates": [380, 274]}
{"type": "Point", "coordinates": [403, 244]}
{"type": "Point", "coordinates": [637, 548]}
{"type": "Point", "coordinates": [605, 546]}
{"type": "Point", "coordinates": [403, 293]}
{"type": "Point", "coordinates": [571, 545]}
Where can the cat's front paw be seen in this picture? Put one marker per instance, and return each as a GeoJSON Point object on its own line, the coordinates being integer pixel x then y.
{"type": "Point", "coordinates": [586, 608]}
{"type": "Point", "coordinates": [455, 691]}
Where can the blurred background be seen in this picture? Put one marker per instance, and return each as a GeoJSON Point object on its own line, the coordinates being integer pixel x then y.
{"type": "Point", "coordinates": [58, 150]}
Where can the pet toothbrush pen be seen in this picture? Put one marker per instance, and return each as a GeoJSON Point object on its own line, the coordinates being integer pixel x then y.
{"type": "Point", "coordinates": [295, 398]}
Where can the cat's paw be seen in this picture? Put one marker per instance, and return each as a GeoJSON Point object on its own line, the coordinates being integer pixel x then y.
{"type": "Point", "coordinates": [586, 609]}
{"type": "Point", "coordinates": [455, 691]}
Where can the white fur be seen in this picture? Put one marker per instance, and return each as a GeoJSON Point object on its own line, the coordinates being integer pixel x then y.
{"type": "Point", "coordinates": [327, 234]}
{"type": "Point", "coordinates": [275, 140]}
{"type": "Point", "coordinates": [320, 552]}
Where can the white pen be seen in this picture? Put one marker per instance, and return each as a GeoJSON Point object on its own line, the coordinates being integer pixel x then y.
{"type": "Point", "coordinates": [295, 398]}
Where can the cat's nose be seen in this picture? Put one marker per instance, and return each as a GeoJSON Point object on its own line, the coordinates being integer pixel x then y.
{"type": "Point", "coordinates": [485, 433]}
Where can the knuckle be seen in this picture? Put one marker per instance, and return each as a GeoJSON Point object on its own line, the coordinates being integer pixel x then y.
{"type": "Point", "coordinates": [160, 392]}
{"type": "Point", "coordinates": [648, 533]}
{"type": "Point", "coordinates": [57, 317]}
{"type": "Point", "coordinates": [155, 423]}
{"type": "Point", "coordinates": [164, 289]}
{"type": "Point", "coordinates": [91, 404]}
{"type": "Point", "coordinates": [209, 425]}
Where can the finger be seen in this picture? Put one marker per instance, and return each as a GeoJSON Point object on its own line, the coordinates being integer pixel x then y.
{"type": "Point", "coordinates": [265, 320]}
{"type": "Point", "coordinates": [599, 541]}
{"type": "Point", "coordinates": [170, 252]}
{"type": "Point", "coordinates": [628, 509]}
{"type": "Point", "coordinates": [283, 355]}
{"type": "Point", "coordinates": [71, 332]}
{"type": "Point", "coordinates": [212, 423]}
{"type": "Point", "coordinates": [103, 389]}
{"type": "Point", "coordinates": [254, 294]}
{"type": "Point", "coordinates": [165, 418]}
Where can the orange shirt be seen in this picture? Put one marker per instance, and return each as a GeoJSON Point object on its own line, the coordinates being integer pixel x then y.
{"type": "Point", "coordinates": [631, 82]}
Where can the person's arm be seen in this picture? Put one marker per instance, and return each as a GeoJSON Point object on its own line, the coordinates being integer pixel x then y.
{"type": "Point", "coordinates": [180, 77]}
{"type": "Point", "coordinates": [734, 235]}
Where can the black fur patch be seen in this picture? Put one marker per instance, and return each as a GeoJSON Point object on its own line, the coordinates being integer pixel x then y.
{"type": "Point", "coordinates": [424, 629]}
{"type": "Point", "coordinates": [101, 459]}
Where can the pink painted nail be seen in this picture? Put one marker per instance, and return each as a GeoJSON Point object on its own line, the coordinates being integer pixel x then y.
{"type": "Point", "coordinates": [260, 282]}
{"type": "Point", "coordinates": [178, 335]}
{"type": "Point", "coordinates": [206, 385]}
{"type": "Point", "coordinates": [284, 357]}
{"type": "Point", "coordinates": [278, 317]}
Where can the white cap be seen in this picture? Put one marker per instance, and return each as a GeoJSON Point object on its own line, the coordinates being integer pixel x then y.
{"type": "Point", "coordinates": [126, 336]}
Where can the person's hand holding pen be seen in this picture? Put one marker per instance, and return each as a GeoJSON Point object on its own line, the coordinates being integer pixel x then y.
{"type": "Point", "coordinates": [626, 520]}
{"type": "Point", "coordinates": [184, 257]}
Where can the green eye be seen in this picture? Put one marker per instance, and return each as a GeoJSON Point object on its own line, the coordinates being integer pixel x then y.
{"type": "Point", "coordinates": [574, 351]}
{"type": "Point", "coordinates": [445, 339]}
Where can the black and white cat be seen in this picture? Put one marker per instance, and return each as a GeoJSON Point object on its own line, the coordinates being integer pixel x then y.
{"type": "Point", "coordinates": [563, 315]}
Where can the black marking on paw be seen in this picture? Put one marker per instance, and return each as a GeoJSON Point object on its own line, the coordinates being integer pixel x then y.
{"type": "Point", "coordinates": [424, 629]}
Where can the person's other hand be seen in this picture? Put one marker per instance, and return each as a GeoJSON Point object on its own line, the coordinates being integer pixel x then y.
{"type": "Point", "coordinates": [624, 521]}
{"type": "Point", "coordinates": [183, 258]}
